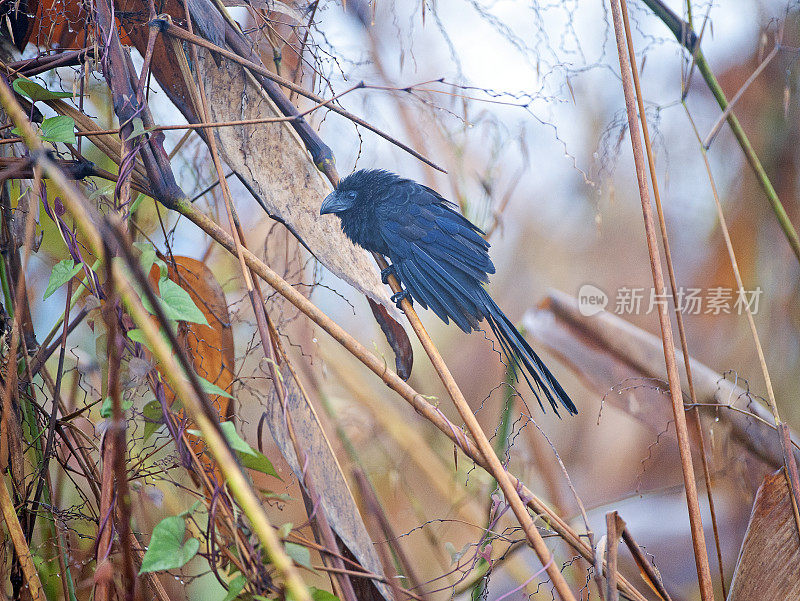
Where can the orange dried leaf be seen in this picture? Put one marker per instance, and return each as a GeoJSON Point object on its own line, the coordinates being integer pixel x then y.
{"type": "Point", "coordinates": [210, 347]}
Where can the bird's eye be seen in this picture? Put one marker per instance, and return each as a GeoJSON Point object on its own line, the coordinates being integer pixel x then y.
{"type": "Point", "coordinates": [352, 195]}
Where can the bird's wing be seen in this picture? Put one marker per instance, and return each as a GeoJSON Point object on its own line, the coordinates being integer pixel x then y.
{"type": "Point", "coordinates": [440, 256]}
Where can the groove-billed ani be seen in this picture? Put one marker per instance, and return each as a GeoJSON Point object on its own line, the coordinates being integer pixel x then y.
{"type": "Point", "coordinates": [439, 256]}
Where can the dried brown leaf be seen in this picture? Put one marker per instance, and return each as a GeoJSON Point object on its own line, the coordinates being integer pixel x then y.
{"type": "Point", "coordinates": [322, 466]}
{"type": "Point", "coordinates": [769, 561]}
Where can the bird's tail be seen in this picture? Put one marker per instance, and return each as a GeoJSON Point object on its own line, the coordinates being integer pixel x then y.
{"type": "Point", "coordinates": [517, 350]}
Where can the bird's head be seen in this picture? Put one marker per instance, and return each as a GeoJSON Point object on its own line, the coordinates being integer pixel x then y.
{"type": "Point", "coordinates": [338, 201]}
{"type": "Point", "coordinates": [357, 188]}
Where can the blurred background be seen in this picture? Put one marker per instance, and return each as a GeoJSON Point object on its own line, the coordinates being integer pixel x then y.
{"type": "Point", "coordinates": [522, 104]}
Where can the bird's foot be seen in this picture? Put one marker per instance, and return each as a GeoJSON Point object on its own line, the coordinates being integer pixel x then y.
{"type": "Point", "coordinates": [398, 297]}
{"type": "Point", "coordinates": [385, 273]}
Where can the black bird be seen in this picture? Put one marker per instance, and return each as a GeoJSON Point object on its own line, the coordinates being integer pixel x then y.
{"type": "Point", "coordinates": [439, 256]}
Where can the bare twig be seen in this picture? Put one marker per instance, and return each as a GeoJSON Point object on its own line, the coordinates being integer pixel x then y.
{"type": "Point", "coordinates": [695, 519]}
{"type": "Point", "coordinates": [651, 164]}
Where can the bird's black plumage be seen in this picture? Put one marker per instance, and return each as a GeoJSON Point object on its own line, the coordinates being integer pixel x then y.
{"type": "Point", "coordinates": [439, 256]}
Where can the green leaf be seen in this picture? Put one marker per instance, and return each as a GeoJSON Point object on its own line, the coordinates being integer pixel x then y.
{"type": "Point", "coordinates": [300, 554]}
{"type": "Point", "coordinates": [137, 335]}
{"type": "Point", "coordinates": [59, 129]}
{"type": "Point", "coordinates": [107, 408]}
{"type": "Point", "coordinates": [213, 389]}
{"type": "Point", "coordinates": [285, 529]}
{"type": "Point", "coordinates": [178, 305]}
{"type": "Point", "coordinates": [249, 457]}
{"type": "Point", "coordinates": [167, 551]}
{"type": "Point", "coordinates": [237, 442]}
{"type": "Point", "coordinates": [163, 267]}
{"type": "Point", "coordinates": [63, 272]}
{"type": "Point", "coordinates": [35, 92]}
{"type": "Point", "coordinates": [233, 438]}
{"type": "Point", "coordinates": [147, 257]}
{"type": "Point", "coordinates": [235, 587]}
{"type": "Point", "coordinates": [135, 204]}
{"type": "Point", "coordinates": [153, 414]}
{"type": "Point", "coordinates": [318, 594]}
{"type": "Point", "coordinates": [259, 463]}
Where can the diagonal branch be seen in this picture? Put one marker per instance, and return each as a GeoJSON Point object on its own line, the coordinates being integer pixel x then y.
{"type": "Point", "coordinates": [683, 32]}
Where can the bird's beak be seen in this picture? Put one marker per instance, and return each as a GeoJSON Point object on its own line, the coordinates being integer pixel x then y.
{"type": "Point", "coordinates": [332, 204]}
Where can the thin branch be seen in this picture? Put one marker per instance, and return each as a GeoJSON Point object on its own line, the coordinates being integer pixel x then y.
{"type": "Point", "coordinates": [651, 164]}
{"type": "Point", "coordinates": [695, 518]}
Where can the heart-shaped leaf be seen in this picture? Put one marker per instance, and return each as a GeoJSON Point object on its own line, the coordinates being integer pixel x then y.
{"type": "Point", "coordinates": [154, 416]}
{"type": "Point", "coordinates": [59, 129]}
{"type": "Point", "coordinates": [167, 551]}
{"type": "Point", "coordinates": [300, 554]}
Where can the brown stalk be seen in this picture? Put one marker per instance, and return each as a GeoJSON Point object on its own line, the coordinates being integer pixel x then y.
{"type": "Point", "coordinates": [103, 575]}
{"type": "Point", "coordinates": [651, 164]}
{"type": "Point", "coordinates": [695, 519]}
{"type": "Point", "coordinates": [23, 552]}
{"type": "Point", "coordinates": [116, 433]}
{"type": "Point", "coordinates": [715, 129]}
{"type": "Point", "coordinates": [612, 547]}
{"type": "Point", "coordinates": [381, 524]}
{"type": "Point", "coordinates": [642, 562]}
{"type": "Point", "coordinates": [494, 466]}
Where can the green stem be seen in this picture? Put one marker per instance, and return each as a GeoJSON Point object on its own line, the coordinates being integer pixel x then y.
{"type": "Point", "coordinates": [684, 34]}
{"type": "Point", "coordinates": [500, 445]}
{"type": "Point", "coordinates": [750, 154]}
{"type": "Point", "coordinates": [6, 289]}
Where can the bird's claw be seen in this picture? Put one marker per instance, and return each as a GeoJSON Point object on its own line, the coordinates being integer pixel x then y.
{"type": "Point", "coordinates": [397, 298]}
{"type": "Point", "coordinates": [385, 273]}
